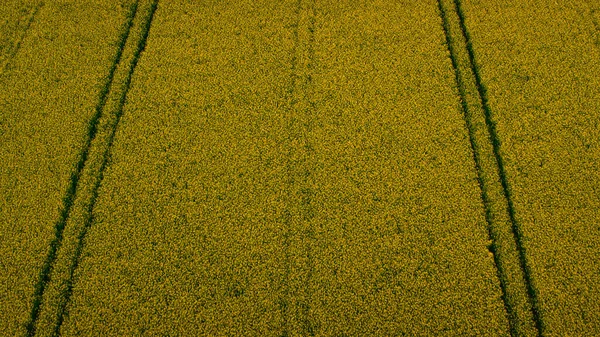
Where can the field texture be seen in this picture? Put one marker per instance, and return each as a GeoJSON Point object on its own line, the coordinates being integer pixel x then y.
{"type": "Point", "coordinates": [299, 168]}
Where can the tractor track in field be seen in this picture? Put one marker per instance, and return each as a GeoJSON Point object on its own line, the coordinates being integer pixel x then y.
{"type": "Point", "coordinates": [287, 217]}
{"type": "Point", "coordinates": [307, 190]}
{"type": "Point", "coordinates": [298, 124]}
{"type": "Point", "coordinates": [141, 45]}
{"type": "Point", "coordinates": [477, 160]}
{"type": "Point", "coordinates": [70, 195]}
{"type": "Point", "coordinates": [516, 228]}
{"type": "Point", "coordinates": [485, 146]}
{"type": "Point", "coordinates": [91, 141]}
{"type": "Point", "coordinates": [17, 46]}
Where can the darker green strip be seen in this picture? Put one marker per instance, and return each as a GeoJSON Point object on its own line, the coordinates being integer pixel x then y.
{"type": "Point", "coordinates": [287, 216]}
{"type": "Point", "coordinates": [501, 273]}
{"type": "Point", "coordinates": [284, 301]}
{"type": "Point", "coordinates": [17, 46]}
{"type": "Point", "coordinates": [307, 191]}
{"type": "Point", "coordinates": [491, 125]}
{"type": "Point", "coordinates": [297, 172]}
{"type": "Point", "coordinates": [69, 197]}
{"type": "Point", "coordinates": [66, 295]}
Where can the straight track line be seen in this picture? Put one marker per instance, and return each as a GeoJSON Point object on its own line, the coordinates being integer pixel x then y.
{"type": "Point", "coordinates": [491, 125]}
{"type": "Point", "coordinates": [307, 192]}
{"type": "Point", "coordinates": [287, 216]}
{"type": "Point", "coordinates": [66, 296]}
{"type": "Point", "coordinates": [298, 124]}
{"type": "Point", "coordinates": [17, 46]}
{"type": "Point", "coordinates": [70, 194]}
{"type": "Point", "coordinates": [476, 158]}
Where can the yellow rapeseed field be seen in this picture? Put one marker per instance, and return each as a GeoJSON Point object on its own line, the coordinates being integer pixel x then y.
{"type": "Point", "coordinates": [48, 92]}
{"type": "Point", "coordinates": [540, 63]}
{"type": "Point", "coordinates": [299, 168]}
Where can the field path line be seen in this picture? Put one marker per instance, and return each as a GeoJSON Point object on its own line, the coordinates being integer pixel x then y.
{"type": "Point", "coordinates": [299, 211]}
{"type": "Point", "coordinates": [103, 155]}
{"type": "Point", "coordinates": [287, 220]}
{"type": "Point", "coordinates": [509, 254]}
{"type": "Point", "coordinates": [15, 48]}
{"type": "Point", "coordinates": [71, 192]}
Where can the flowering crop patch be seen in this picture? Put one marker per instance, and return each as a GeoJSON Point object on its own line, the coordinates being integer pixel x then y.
{"type": "Point", "coordinates": [48, 94]}
{"type": "Point", "coordinates": [290, 168]}
{"type": "Point", "coordinates": [540, 63]}
{"type": "Point", "coordinates": [299, 167]}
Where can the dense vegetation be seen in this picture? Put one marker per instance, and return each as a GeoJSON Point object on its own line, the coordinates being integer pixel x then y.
{"type": "Point", "coordinates": [299, 167]}
{"type": "Point", "coordinates": [541, 63]}
{"type": "Point", "coordinates": [48, 93]}
{"type": "Point", "coordinates": [265, 182]}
